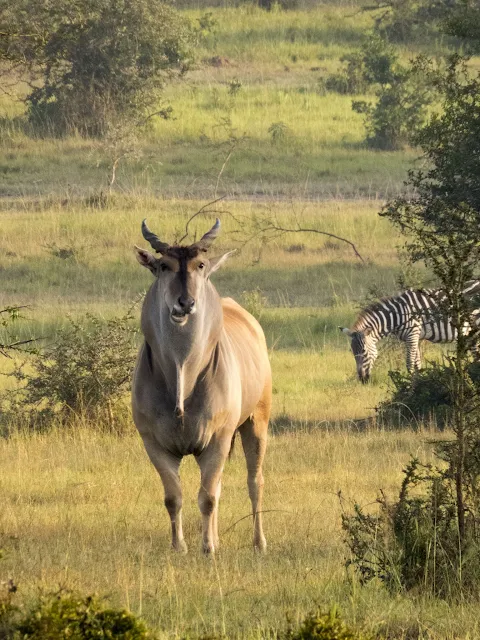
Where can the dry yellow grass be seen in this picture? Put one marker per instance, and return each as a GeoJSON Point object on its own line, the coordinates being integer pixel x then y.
{"type": "Point", "coordinates": [84, 510]}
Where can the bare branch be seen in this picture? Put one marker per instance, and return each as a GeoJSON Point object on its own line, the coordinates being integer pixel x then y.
{"type": "Point", "coordinates": [272, 227]}
{"type": "Point", "coordinates": [201, 210]}
{"type": "Point", "coordinates": [225, 162]}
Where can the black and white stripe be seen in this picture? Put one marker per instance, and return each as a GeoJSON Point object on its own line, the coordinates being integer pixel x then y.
{"type": "Point", "coordinates": [413, 315]}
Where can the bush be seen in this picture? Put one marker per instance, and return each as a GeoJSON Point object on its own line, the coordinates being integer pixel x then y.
{"type": "Point", "coordinates": [424, 395]}
{"type": "Point", "coordinates": [400, 110]}
{"type": "Point", "coordinates": [91, 62]}
{"type": "Point", "coordinates": [373, 63]}
{"type": "Point", "coordinates": [85, 373]}
{"type": "Point", "coordinates": [80, 618]}
{"type": "Point", "coordinates": [414, 542]}
{"type": "Point", "coordinates": [324, 627]}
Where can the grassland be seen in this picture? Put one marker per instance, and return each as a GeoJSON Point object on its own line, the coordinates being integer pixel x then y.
{"type": "Point", "coordinates": [88, 515]}
{"type": "Point", "coordinates": [277, 62]}
{"type": "Point", "coordinates": [82, 509]}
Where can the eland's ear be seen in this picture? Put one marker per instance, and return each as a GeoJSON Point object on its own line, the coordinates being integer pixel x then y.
{"type": "Point", "coordinates": [146, 259]}
{"type": "Point", "coordinates": [346, 331]}
{"type": "Point", "coordinates": [216, 263]}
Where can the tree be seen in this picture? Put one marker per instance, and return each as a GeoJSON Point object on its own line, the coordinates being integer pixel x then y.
{"type": "Point", "coordinates": [402, 95]}
{"type": "Point", "coordinates": [429, 538]}
{"type": "Point", "coordinates": [441, 222]}
{"type": "Point", "coordinates": [403, 20]}
{"type": "Point", "coordinates": [464, 22]}
{"type": "Point", "coordinates": [90, 62]}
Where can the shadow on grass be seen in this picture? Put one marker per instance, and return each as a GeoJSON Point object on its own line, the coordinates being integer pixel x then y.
{"type": "Point", "coordinates": [285, 423]}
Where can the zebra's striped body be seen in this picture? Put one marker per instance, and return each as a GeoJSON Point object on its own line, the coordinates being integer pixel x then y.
{"type": "Point", "coordinates": [412, 315]}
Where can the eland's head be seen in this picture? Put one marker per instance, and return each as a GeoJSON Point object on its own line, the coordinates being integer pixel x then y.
{"type": "Point", "coordinates": [182, 272]}
{"type": "Point", "coordinates": [363, 345]}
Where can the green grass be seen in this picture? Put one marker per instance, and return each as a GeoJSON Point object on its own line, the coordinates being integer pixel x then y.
{"type": "Point", "coordinates": [302, 286]}
{"type": "Point", "coordinates": [279, 60]}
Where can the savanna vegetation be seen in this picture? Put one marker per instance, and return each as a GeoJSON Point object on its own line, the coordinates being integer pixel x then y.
{"type": "Point", "coordinates": [254, 124]}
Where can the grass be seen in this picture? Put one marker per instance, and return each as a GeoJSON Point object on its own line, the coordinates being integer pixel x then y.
{"type": "Point", "coordinates": [88, 514]}
{"type": "Point", "coordinates": [304, 285]}
{"type": "Point", "coordinates": [277, 60]}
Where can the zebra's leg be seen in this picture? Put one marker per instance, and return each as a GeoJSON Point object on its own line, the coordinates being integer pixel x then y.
{"type": "Point", "coordinates": [414, 361]}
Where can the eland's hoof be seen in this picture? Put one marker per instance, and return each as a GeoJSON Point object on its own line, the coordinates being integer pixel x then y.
{"type": "Point", "coordinates": [260, 546]}
{"type": "Point", "coordinates": [208, 549]}
{"type": "Point", "coordinates": [180, 547]}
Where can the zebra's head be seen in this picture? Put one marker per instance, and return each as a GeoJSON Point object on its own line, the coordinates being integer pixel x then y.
{"type": "Point", "coordinates": [364, 349]}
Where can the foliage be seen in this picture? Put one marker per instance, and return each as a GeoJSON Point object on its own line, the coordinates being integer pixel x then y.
{"type": "Point", "coordinates": [327, 626]}
{"type": "Point", "coordinates": [10, 342]}
{"type": "Point", "coordinates": [8, 609]}
{"type": "Point", "coordinates": [464, 22]}
{"type": "Point", "coordinates": [414, 542]}
{"type": "Point", "coordinates": [90, 63]}
{"type": "Point", "coordinates": [400, 111]}
{"type": "Point", "coordinates": [404, 20]}
{"type": "Point", "coordinates": [80, 618]}
{"type": "Point", "coordinates": [85, 373]}
{"type": "Point", "coordinates": [440, 221]}
{"type": "Point", "coordinates": [425, 395]}
{"type": "Point", "coordinates": [373, 63]}
{"type": "Point", "coordinates": [279, 132]}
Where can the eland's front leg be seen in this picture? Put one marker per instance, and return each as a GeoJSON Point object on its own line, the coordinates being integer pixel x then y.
{"type": "Point", "coordinates": [211, 463]}
{"type": "Point", "coordinates": [167, 467]}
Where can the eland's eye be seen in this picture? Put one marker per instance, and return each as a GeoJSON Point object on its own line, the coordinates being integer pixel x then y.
{"type": "Point", "coordinates": [164, 267]}
{"type": "Point", "coordinates": [201, 265]}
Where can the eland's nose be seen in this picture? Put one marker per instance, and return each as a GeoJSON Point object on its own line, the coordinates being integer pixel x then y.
{"type": "Point", "coordinates": [186, 303]}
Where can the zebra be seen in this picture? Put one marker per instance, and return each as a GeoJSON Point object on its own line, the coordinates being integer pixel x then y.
{"type": "Point", "coordinates": [412, 315]}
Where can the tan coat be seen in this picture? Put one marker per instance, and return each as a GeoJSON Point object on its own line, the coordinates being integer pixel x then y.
{"type": "Point", "coordinates": [202, 373]}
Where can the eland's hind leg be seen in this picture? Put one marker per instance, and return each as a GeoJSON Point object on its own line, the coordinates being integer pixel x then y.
{"type": "Point", "coordinates": [254, 441]}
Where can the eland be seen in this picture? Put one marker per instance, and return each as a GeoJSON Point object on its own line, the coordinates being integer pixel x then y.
{"type": "Point", "coordinates": [202, 373]}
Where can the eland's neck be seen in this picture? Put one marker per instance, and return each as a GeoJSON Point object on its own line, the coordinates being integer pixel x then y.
{"type": "Point", "coordinates": [181, 353]}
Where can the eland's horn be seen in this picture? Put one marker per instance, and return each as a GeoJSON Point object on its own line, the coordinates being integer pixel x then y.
{"type": "Point", "coordinates": [205, 241]}
{"type": "Point", "coordinates": [154, 240]}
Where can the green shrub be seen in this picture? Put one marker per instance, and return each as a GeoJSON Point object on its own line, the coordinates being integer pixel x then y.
{"type": "Point", "coordinates": [414, 542]}
{"type": "Point", "coordinates": [372, 64]}
{"type": "Point", "coordinates": [83, 374]}
{"type": "Point", "coordinates": [400, 110]}
{"type": "Point", "coordinates": [425, 395]}
{"type": "Point", "coordinates": [406, 20]}
{"type": "Point", "coordinates": [91, 62]}
{"type": "Point", "coordinates": [327, 626]}
{"type": "Point", "coordinates": [351, 79]}
{"type": "Point", "coordinates": [80, 618]}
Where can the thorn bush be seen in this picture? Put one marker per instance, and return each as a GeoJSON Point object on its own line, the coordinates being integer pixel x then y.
{"type": "Point", "coordinates": [414, 543]}
{"type": "Point", "coordinates": [425, 395]}
{"type": "Point", "coordinates": [83, 374]}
